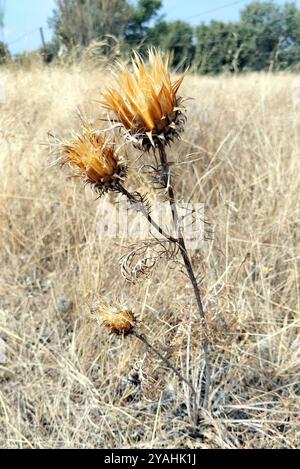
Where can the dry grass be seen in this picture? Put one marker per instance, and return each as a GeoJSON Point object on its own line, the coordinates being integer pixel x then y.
{"type": "Point", "coordinates": [65, 382]}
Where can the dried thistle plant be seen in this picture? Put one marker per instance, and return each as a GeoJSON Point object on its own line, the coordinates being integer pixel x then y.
{"type": "Point", "coordinates": [144, 104]}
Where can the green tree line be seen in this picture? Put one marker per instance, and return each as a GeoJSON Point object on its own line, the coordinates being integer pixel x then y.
{"type": "Point", "coordinates": [266, 36]}
{"type": "Point", "coordinates": [4, 53]}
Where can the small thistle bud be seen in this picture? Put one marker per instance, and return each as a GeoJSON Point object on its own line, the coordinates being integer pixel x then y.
{"type": "Point", "coordinates": [117, 321]}
{"type": "Point", "coordinates": [145, 103]}
{"type": "Point", "coordinates": [95, 160]}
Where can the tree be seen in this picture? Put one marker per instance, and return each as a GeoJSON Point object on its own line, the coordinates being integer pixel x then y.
{"type": "Point", "coordinates": [290, 52]}
{"type": "Point", "coordinates": [138, 27]}
{"type": "Point", "coordinates": [267, 36]}
{"type": "Point", "coordinates": [5, 56]}
{"type": "Point", "coordinates": [4, 52]}
{"type": "Point", "coordinates": [275, 35]}
{"type": "Point", "coordinates": [79, 22]}
{"type": "Point", "coordinates": [177, 37]}
{"type": "Point", "coordinates": [218, 47]}
{"type": "Point", "coordinates": [264, 21]}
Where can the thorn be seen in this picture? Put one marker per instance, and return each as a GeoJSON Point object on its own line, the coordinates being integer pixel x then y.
{"type": "Point", "coordinates": [150, 136]}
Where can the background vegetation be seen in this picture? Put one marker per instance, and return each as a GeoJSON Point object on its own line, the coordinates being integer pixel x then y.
{"type": "Point", "coordinates": [267, 35]}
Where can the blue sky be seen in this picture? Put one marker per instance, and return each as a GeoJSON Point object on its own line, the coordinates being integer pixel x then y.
{"type": "Point", "coordinates": [24, 17]}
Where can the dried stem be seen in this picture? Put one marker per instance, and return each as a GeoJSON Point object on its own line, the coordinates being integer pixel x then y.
{"type": "Point", "coordinates": [189, 268]}
{"type": "Point", "coordinates": [179, 240]}
{"type": "Point", "coordinates": [141, 207]}
{"type": "Point", "coordinates": [143, 339]}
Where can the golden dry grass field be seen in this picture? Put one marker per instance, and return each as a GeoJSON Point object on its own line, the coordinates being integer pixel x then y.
{"type": "Point", "coordinates": [64, 381]}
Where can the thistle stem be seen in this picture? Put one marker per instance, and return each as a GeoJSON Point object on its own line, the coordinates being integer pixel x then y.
{"type": "Point", "coordinates": [141, 207]}
{"type": "Point", "coordinates": [189, 268]}
{"type": "Point", "coordinates": [179, 239]}
{"type": "Point", "coordinates": [143, 339]}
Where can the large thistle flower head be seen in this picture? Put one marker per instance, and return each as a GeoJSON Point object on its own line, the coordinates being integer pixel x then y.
{"type": "Point", "coordinates": [95, 159]}
{"type": "Point", "coordinates": [144, 100]}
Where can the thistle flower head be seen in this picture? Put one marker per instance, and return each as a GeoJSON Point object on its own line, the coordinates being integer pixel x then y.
{"type": "Point", "coordinates": [115, 320]}
{"type": "Point", "coordinates": [95, 159]}
{"type": "Point", "coordinates": [144, 100]}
